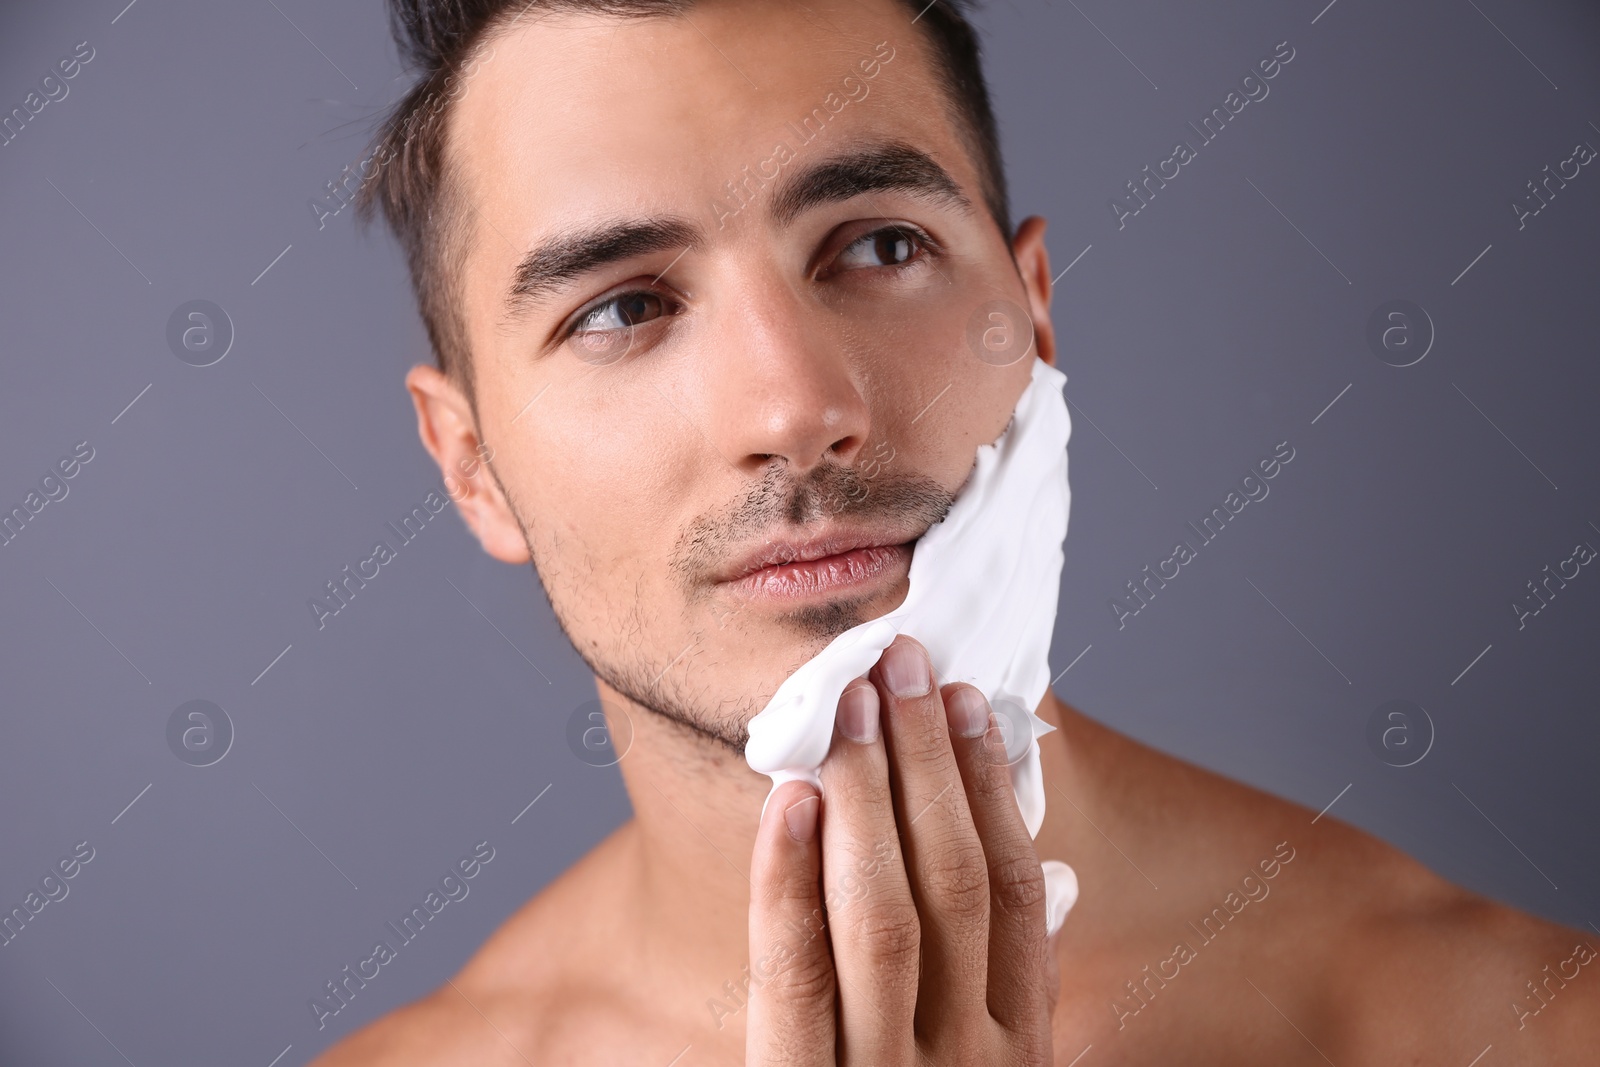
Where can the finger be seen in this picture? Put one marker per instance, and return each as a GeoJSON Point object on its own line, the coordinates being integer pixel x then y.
{"type": "Point", "coordinates": [872, 918]}
{"type": "Point", "coordinates": [791, 974]}
{"type": "Point", "coordinates": [944, 858]}
{"type": "Point", "coordinates": [1016, 977]}
{"type": "Point", "coordinates": [1052, 971]}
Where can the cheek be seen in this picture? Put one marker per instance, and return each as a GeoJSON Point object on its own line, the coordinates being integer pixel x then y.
{"type": "Point", "coordinates": [934, 395]}
{"type": "Point", "coordinates": [991, 396]}
{"type": "Point", "coordinates": [601, 486]}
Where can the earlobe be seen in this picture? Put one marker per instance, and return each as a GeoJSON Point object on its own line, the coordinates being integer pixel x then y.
{"type": "Point", "coordinates": [1033, 264]}
{"type": "Point", "coordinates": [448, 429]}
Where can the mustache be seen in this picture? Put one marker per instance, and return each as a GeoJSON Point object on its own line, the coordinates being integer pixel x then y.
{"type": "Point", "coordinates": [831, 492]}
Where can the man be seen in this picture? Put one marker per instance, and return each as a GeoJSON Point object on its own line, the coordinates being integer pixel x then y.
{"type": "Point", "coordinates": [699, 276]}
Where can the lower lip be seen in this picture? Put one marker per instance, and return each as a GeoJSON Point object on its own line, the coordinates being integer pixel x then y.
{"type": "Point", "coordinates": [829, 576]}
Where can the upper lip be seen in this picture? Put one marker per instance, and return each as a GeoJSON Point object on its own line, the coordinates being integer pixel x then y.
{"type": "Point", "coordinates": [780, 551]}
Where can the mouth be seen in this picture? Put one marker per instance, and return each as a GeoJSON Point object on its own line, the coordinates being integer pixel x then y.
{"type": "Point", "coordinates": [820, 567]}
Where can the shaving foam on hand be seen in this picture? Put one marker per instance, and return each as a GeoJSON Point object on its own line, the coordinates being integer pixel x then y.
{"type": "Point", "coordinates": [984, 585]}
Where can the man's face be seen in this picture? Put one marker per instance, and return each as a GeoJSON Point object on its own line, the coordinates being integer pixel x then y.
{"type": "Point", "coordinates": [753, 261]}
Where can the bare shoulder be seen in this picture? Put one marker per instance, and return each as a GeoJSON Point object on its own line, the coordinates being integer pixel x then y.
{"type": "Point", "coordinates": [1369, 953]}
{"type": "Point", "coordinates": [1421, 962]}
{"type": "Point", "coordinates": [542, 977]}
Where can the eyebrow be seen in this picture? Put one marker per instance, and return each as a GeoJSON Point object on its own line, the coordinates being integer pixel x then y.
{"type": "Point", "coordinates": [562, 259]}
{"type": "Point", "coordinates": [883, 167]}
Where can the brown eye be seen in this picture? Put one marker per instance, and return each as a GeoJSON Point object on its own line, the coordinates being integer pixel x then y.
{"type": "Point", "coordinates": [608, 331]}
{"type": "Point", "coordinates": [622, 312]}
{"type": "Point", "coordinates": [889, 247]}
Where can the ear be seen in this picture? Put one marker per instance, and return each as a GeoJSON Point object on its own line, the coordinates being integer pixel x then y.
{"type": "Point", "coordinates": [449, 432]}
{"type": "Point", "coordinates": [1033, 263]}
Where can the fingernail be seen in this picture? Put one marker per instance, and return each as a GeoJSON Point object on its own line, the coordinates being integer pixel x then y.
{"type": "Point", "coordinates": [995, 737]}
{"type": "Point", "coordinates": [905, 668]}
{"type": "Point", "coordinates": [969, 712]}
{"type": "Point", "coordinates": [858, 714]}
{"type": "Point", "coordinates": [802, 818]}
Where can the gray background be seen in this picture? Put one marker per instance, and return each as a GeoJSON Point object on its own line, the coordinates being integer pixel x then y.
{"type": "Point", "coordinates": [425, 718]}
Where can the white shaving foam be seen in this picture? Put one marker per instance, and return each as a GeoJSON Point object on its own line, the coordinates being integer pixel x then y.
{"type": "Point", "coordinates": [984, 585]}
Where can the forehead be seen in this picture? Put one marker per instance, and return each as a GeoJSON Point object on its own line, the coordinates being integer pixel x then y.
{"type": "Point", "coordinates": [573, 117]}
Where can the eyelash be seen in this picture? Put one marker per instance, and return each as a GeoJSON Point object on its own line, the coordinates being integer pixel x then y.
{"type": "Point", "coordinates": [926, 247]}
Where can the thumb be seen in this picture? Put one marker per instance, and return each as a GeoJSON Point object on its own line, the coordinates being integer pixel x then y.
{"type": "Point", "coordinates": [791, 1017]}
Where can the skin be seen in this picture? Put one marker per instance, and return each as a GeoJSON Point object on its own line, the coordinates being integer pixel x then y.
{"type": "Point", "coordinates": [783, 356]}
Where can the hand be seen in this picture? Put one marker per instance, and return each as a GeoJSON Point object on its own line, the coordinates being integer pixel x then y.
{"type": "Point", "coordinates": [931, 899]}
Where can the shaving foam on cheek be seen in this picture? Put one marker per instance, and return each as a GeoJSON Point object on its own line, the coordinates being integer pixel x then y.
{"type": "Point", "coordinates": [984, 584]}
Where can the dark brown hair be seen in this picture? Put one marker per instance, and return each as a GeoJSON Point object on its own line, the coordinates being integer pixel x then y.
{"type": "Point", "coordinates": [415, 188]}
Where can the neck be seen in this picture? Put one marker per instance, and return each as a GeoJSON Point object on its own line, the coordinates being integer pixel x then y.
{"type": "Point", "coordinates": [696, 808]}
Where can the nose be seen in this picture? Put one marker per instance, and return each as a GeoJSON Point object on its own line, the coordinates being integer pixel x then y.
{"type": "Point", "coordinates": [782, 385]}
